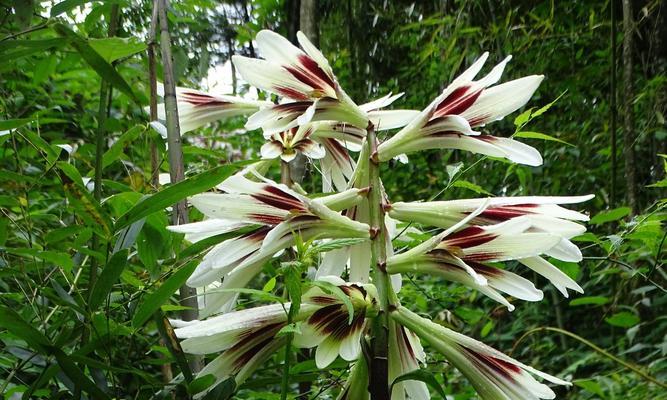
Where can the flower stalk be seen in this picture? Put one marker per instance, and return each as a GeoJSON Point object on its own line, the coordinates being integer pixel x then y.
{"type": "Point", "coordinates": [379, 384]}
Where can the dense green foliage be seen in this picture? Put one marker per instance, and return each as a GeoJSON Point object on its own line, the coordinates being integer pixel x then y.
{"type": "Point", "coordinates": [61, 336]}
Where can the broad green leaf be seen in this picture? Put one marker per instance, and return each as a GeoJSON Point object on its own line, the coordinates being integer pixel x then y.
{"type": "Point", "coordinates": [152, 301]}
{"type": "Point", "coordinates": [421, 375]}
{"type": "Point", "coordinates": [96, 61]}
{"type": "Point", "coordinates": [269, 285]}
{"type": "Point", "coordinates": [590, 300]}
{"type": "Point", "coordinates": [59, 259]}
{"type": "Point", "coordinates": [65, 6]}
{"type": "Point", "coordinates": [471, 186]}
{"type": "Point", "coordinates": [541, 136]}
{"type": "Point", "coordinates": [176, 192]}
{"type": "Point", "coordinates": [201, 383]}
{"type": "Point", "coordinates": [623, 319]}
{"type": "Point", "coordinates": [44, 68]}
{"type": "Point", "coordinates": [610, 215]}
{"type": "Point", "coordinates": [9, 124]}
{"type": "Point", "coordinates": [523, 118]}
{"type": "Point", "coordinates": [110, 275]}
{"type": "Point", "coordinates": [14, 323]}
{"type": "Point", "coordinates": [115, 48]}
{"type": "Point", "coordinates": [76, 375]}
{"type": "Point", "coordinates": [117, 148]}
{"type": "Point", "coordinates": [591, 386]}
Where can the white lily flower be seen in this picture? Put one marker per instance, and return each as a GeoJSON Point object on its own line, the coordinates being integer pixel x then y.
{"type": "Point", "coordinates": [301, 75]}
{"type": "Point", "coordinates": [448, 122]}
{"type": "Point", "coordinates": [459, 257]}
{"type": "Point", "coordinates": [197, 108]}
{"type": "Point", "coordinates": [405, 355]}
{"type": "Point", "coordinates": [249, 337]}
{"type": "Point", "coordinates": [494, 375]}
{"type": "Point", "coordinates": [544, 214]}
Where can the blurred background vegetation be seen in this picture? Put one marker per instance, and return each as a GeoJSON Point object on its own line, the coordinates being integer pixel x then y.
{"type": "Point", "coordinates": [605, 61]}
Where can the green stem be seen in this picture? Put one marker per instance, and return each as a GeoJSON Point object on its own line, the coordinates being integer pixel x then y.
{"type": "Point", "coordinates": [600, 350]}
{"type": "Point", "coordinates": [379, 383]}
{"type": "Point", "coordinates": [286, 179]}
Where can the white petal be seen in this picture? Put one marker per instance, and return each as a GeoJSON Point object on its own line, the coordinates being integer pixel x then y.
{"type": "Point", "coordinates": [496, 102]}
{"type": "Point", "coordinates": [382, 102]}
{"type": "Point", "coordinates": [391, 119]}
{"type": "Point", "coordinates": [557, 277]}
{"type": "Point", "coordinates": [271, 150]}
{"type": "Point", "coordinates": [270, 77]}
{"type": "Point", "coordinates": [326, 352]}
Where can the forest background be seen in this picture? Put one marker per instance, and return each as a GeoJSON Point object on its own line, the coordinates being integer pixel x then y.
{"type": "Point", "coordinates": [605, 64]}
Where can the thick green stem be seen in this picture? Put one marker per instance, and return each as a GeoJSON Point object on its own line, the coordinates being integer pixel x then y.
{"type": "Point", "coordinates": [188, 295]}
{"type": "Point", "coordinates": [379, 383]}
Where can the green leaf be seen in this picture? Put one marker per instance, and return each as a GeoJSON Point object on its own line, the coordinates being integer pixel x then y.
{"type": "Point", "coordinates": [76, 375]}
{"type": "Point", "coordinates": [590, 300]}
{"type": "Point", "coordinates": [177, 192]}
{"type": "Point", "coordinates": [471, 186]}
{"type": "Point", "coordinates": [201, 383]}
{"type": "Point", "coordinates": [591, 386]}
{"type": "Point", "coordinates": [152, 301]}
{"type": "Point", "coordinates": [523, 118]}
{"type": "Point", "coordinates": [9, 124]}
{"type": "Point", "coordinates": [114, 48]}
{"type": "Point", "coordinates": [421, 375]}
{"type": "Point", "coordinates": [110, 274]}
{"type": "Point", "coordinates": [65, 6]}
{"type": "Point", "coordinates": [541, 136]}
{"type": "Point", "coordinates": [610, 215]}
{"type": "Point", "coordinates": [334, 244]}
{"type": "Point", "coordinates": [269, 285]}
{"type": "Point", "coordinates": [117, 148]}
{"type": "Point", "coordinates": [62, 260]}
{"type": "Point", "coordinates": [486, 329]}
{"type": "Point", "coordinates": [14, 323]}
{"type": "Point", "coordinates": [623, 319]}
{"type": "Point", "coordinates": [96, 61]}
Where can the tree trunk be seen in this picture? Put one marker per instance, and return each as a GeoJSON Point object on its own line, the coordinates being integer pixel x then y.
{"type": "Point", "coordinates": [308, 25]}
{"type": "Point", "coordinates": [613, 107]}
{"type": "Point", "coordinates": [188, 295]}
{"type": "Point", "coordinates": [628, 112]}
{"type": "Point", "coordinates": [293, 12]}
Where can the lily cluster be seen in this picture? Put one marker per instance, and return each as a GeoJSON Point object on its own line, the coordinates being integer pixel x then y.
{"type": "Point", "coordinates": [259, 219]}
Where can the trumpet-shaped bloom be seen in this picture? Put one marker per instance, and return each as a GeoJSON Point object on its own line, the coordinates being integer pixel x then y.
{"type": "Point", "coordinates": [494, 375]}
{"type": "Point", "coordinates": [288, 143]}
{"type": "Point", "coordinates": [197, 108]}
{"type": "Point", "coordinates": [405, 355]}
{"type": "Point", "coordinates": [249, 337]}
{"type": "Point", "coordinates": [460, 257]}
{"type": "Point", "coordinates": [448, 122]}
{"type": "Point", "coordinates": [301, 75]}
{"type": "Point", "coordinates": [544, 214]}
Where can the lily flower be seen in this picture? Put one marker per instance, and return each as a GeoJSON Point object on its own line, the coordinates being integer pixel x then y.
{"type": "Point", "coordinates": [544, 214]}
{"type": "Point", "coordinates": [197, 108]}
{"type": "Point", "coordinates": [460, 257]}
{"type": "Point", "coordinates": [329, 328]}
{"type": "Point", "coordinates": [288, 143]}
{"type": "Point", "coordinates": [405, 355]}
{"type": "Point", "coordinates": [448, 122]}
{"type": "Point", "coordinates": [494, 375]}
{"type": "Point", "coordinates": [300, 75]}
{"type": "Point", "coordinates": [249, 337]}
{"type": "Point", "coordinates": [271, 214]}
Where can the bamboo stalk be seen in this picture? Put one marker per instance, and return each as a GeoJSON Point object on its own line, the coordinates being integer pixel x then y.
{"type": "Point", "coordinates": [188, 295]}
{"type": "Point", "coordinates": [152, 78]}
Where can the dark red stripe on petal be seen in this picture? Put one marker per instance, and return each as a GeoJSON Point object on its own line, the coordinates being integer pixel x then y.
{"type": "Point", "coordinates": [504, 368]}
{"type": "Point", "coordinates": [313, 68]}
{"type": "Point", "coordinates": [290, 93]}
{"type": "Point", "coordinates": [200, 99]}
{"type": "Point", "coordinates": [266, 219]}
{"type": "Point", "coordinates": [458, 101]}
{"type": "Point", "coordinates": [481, 257]}
{"type": "Point", "coordinates": [485, 269]}
{"type": "Point", "coordinates": [469, 237]}
{"type": "Point", "coordinates": [257, 235]}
